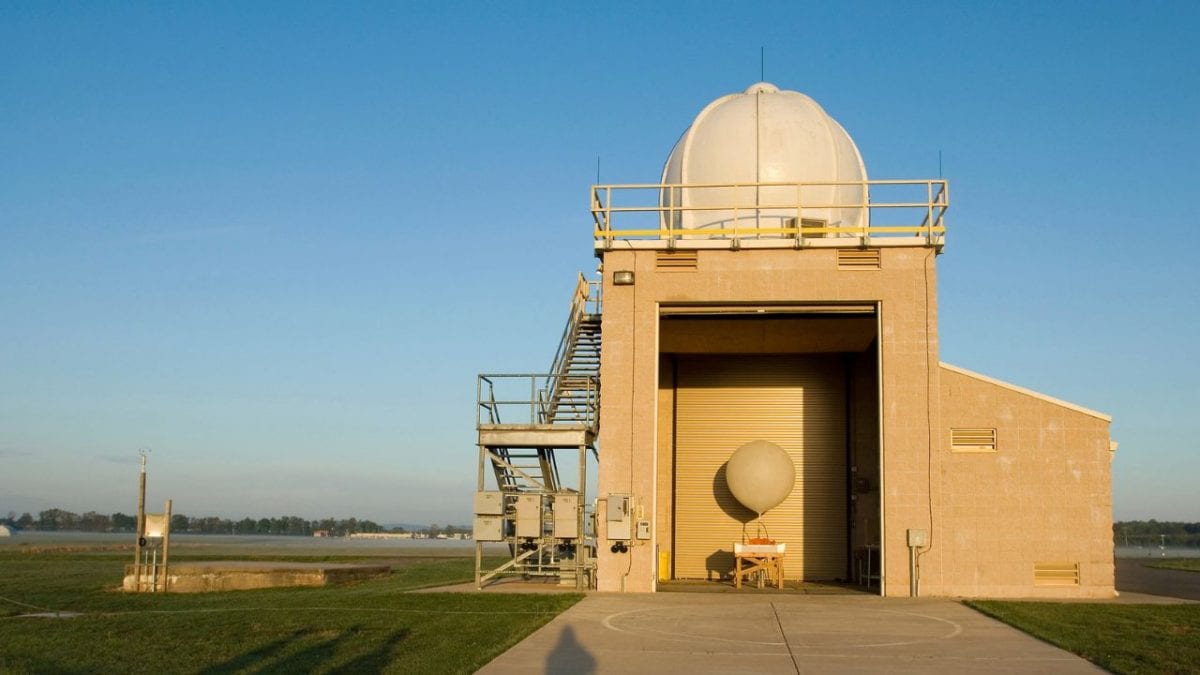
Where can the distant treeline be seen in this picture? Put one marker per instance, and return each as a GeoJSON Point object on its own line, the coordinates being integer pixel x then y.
{"type": "Point", "coordinates": [58, 520]}
{"type": "Point", "coordinates": [1156, 532]}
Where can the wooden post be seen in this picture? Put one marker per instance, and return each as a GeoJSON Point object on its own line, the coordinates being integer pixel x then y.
{"type": "Point", "coordinates": [141, 528]}
{"type": "Point", "coordinates": [166, 547]}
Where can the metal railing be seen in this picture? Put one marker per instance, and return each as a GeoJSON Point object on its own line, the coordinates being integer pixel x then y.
{"type": "Point", "coordinates": [525, 398]}
{"type": "Point", "coordinates": [770, 210]}
{"type": "Point", "coordinates": [585, 301]}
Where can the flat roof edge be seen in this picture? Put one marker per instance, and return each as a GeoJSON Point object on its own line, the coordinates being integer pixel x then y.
{"type": "Point", "coordinates": [1027, 392]}
{"type": "Point", "coordinates": [602, 245]}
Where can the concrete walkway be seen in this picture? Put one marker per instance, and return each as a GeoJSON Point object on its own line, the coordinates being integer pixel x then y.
{"type": "Point", "coordinates": [722, 633]}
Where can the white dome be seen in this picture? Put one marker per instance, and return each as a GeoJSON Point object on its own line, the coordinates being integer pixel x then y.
{"type": "Point", "coordinates": [764, 135]}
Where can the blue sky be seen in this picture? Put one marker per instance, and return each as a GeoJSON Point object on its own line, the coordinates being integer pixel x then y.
{"type": "Point", "coordinates": [276, 242]}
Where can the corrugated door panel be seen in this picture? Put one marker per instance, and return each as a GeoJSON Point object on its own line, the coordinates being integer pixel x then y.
{"type": "Point", "coordinates": [796, 402]}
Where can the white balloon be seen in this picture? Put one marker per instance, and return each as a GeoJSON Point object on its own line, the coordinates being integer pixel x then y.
{"type": "Point", "coordinates": [760, 475]}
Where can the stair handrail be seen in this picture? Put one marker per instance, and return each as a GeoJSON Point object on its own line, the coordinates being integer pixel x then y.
{"type": "Point", "coordinates": [585, 301]}
{"type": "Point", "coordinates": [579, 305]}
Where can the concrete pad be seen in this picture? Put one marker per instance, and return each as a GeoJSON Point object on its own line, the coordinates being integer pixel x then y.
{"type": "Point", "coordinates": [240, 575]}
{"type": "Point", "coordinates": [511, 585]}
{"type": "Point", "coordinates": [721, 633]}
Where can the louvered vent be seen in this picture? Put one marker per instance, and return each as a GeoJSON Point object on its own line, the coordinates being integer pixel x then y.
{"type": "Point", "coordinates": [858, 258]}
{"type": "Point", "coordinates": [973, 440]}
{"type": "Point", "coordinates": [677, 261]}
{"type": "Point", "coordinates": [1055, 574]}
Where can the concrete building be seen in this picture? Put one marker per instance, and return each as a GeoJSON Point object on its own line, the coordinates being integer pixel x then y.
{"type": "Point", "coordinates": [767, 290]}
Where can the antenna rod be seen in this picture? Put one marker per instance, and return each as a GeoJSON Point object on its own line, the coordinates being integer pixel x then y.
{"type": "Point", "coordinates": [762, 64]}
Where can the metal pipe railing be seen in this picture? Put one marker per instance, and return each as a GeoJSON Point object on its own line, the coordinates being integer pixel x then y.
{"type": "Point", "coordinates": [531, 393]}
{"type": "Point", "coordinates": [930, 198]}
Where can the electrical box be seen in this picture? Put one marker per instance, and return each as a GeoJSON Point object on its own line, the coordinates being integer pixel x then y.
{"type": "Point", "coordinates": [529, 516]}
{"type": "Point", "coordinates": [566, 516]}
{"type": "Point", "coordinates": [156, 525]}
{"type": "Point", "coordinates": [618, 516]}
{"type": "Point", "coordinates": [489, 528]}
{"type": "Point", "coordinates": [918, 538]}
{"type": "Point", "coordinates": [489, 503]}
{"type": "Point", "coordinates": [643, 529]}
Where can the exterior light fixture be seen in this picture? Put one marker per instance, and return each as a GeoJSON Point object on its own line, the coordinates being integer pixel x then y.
{"type": "Point", "coordinates": [623, 278]}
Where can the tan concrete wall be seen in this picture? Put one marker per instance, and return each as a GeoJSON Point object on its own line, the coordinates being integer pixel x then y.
{"type": "Point", "coordinates": [628, 461]}
{"type": "Point", "coordinates": [905, 286]}
{"type": "Point", "coordinates": [1044, 495]}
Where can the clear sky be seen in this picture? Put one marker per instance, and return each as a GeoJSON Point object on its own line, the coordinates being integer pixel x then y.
{"type": "Point", "coordinates": [276, 242]}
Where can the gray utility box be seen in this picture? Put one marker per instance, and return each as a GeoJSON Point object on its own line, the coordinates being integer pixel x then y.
{"type": "Point", "coordinates": [489, 528]}
{"type": "Point", "coordinates": [566, 516]}
{"type": "Point", "coordinates": [529, 516]}
{"type": "Point", "coordinates": [489, 503]}
{"type": "Point", "coordinates": [618, 516]}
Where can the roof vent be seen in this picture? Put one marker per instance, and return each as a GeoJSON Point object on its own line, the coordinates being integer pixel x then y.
{"type": "Point", "coordinates": [677, 261]}
{"type": "Point", "coordinates": [858, 259]}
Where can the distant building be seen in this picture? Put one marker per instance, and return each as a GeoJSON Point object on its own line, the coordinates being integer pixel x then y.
{"type": "Point", "coordinates": [382, 535]}
{"type": "Point", "coordinates": [6, 531]}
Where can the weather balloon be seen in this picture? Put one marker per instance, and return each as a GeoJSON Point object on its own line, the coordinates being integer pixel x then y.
{"type": "Point", "coordinates": [760, 475]}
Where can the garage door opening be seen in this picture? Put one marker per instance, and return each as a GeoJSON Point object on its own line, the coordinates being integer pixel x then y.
{"type": "Point", "coordinates": [807, 382]}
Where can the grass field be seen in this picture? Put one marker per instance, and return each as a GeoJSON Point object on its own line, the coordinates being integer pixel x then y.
{"type": "Point", "coordinates": [1119, 638]}
{"type": "Point", "coordinates": [370, 626]}
{"type": "Point", "coordinates": [1186, 564]}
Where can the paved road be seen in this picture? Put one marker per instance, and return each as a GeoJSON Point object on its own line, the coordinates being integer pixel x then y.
{"type": "Point", "coordinates": [1134, 577]}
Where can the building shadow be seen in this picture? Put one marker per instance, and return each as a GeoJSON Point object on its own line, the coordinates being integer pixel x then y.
{"type": "Point", "coordinates": [376, 660]}
{"type": "Point", "coordinates": [568, 656]}
{"type": "Point", "coordinates": [256, 656]}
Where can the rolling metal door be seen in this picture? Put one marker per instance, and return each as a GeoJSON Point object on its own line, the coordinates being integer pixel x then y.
{"type": "Point", "coordinates": [796, 402]}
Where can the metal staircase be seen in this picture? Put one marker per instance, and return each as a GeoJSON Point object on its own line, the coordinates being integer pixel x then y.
{"type": "Point", "coordinates": [522, 420]}
{"type": "Point", "coordinates": [568, 394]}
{"type": "Point", "coordinates": [525, 470]}
{"type": "Point", "coordinates": [577, 370]}
{"type": "Point", "coordinates": [574, 393]}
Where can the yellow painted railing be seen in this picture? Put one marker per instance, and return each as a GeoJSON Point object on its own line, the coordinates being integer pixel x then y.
{"type": "Point", "coordinates": [859, 209]}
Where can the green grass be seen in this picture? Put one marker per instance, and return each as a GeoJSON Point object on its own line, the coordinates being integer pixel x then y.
{"type": "Point", "coordinates": [1120, 638]}
{"type": "Point", "coordinates": [372, 626]}
{"type": "Point", "coordinates": [1186, 564]}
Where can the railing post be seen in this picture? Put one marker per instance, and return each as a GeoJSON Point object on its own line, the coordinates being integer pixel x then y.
{"type": "Point", "coordinates": [608, 215]}
{"type": "Point", "coordinates": [929, 212]}
{"type": "Point", "coordinates": [866, 211]}
{"type": "Point", "coordinates": [667, 220]}
{"type": "Point", "coordinates": [736, 235]}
